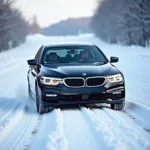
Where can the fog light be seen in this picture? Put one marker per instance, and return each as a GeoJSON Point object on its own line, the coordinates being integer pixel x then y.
{"type": "Point", "coordinates": [51, 95]}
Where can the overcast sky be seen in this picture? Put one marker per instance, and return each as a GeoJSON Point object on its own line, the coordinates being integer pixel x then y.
{"type": "Point", "coordinates": [51, 11]}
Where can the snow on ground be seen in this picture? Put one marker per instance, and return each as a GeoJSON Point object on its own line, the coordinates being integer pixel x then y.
{"type": "Point", "coordinates": [21, 128]}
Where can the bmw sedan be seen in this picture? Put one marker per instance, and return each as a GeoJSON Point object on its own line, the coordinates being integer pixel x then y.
{"type": "Point", "coordinates": [74, 74]}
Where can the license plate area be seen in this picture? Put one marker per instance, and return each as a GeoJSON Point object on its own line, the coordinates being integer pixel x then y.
{"type": "Point", "coordinates": [85, 97]}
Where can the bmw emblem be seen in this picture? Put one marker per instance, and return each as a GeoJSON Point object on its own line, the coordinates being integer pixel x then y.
{"type": "Point", "coordinates": [84, 74]}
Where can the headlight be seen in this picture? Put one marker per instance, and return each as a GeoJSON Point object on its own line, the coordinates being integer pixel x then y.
{"type": "Point", "coordinates": [115, 78]}
{"type": "Point", "coordinates": [51, 81]}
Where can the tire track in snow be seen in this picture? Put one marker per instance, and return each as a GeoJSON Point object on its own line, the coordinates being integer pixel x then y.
{"type": "Point", "coordinates": [4, 103]}
{"type": "Point", "coordinates": [57, 140]}
{"type": "Point", "coordinates": [5, 106]}
{"type": "Point", "coordinates": [25, 133]}
{"type": "Point", "coordinates": [139, 113]}
{"type": "Point", "coordinates": [9, 116]}
{"type": "Point", "coordinates": [140, 104]}
{"type": "Point", "coordinates": [18, 130]}
{"type": "Point", "coordinates": [104, 127]}
{"type": "Point", "coordinates": [46, 127]}
{"type": "Point", "coordinates": [12, 124]}
{"type": "Point", "coordinates": [33, 133]}
{"type": "Point", "coordinates": [138, 136]}
{"type": "Point", "coordinates": [118, 134]}
{"type": "Point", "coordinates": [80, 132]}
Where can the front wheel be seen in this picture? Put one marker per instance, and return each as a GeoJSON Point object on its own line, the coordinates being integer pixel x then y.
{"type": "Point", "coordinates": [29, 91]}
{"type": "Point", "coordinates": [40, 109]}
{"type": "Point", "coordinates": [119, 106]}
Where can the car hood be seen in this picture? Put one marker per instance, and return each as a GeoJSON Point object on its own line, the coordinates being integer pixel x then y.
{"type": "Point", "coordinates": [63, 71]}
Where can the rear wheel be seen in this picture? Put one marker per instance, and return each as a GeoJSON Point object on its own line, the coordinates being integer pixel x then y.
{"type": "Point", "coordinates": [119, 106]}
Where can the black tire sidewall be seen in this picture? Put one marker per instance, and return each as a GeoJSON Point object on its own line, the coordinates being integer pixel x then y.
{"type": "Point", "coordinates": [37, 100]}
{"type": "Point", "coordinates": [122, 105]}
{"type": "Point", "coordinates": [29, 90]}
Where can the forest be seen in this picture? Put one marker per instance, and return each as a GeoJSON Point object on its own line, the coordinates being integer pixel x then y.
{"type": "Point", "coordinates": [14, 27]}
{"type": "Point", "coordinates": [124, 22]}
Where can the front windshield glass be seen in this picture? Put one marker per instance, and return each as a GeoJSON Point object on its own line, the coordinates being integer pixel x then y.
{"type": "Point", "coordinates": [77, 54]}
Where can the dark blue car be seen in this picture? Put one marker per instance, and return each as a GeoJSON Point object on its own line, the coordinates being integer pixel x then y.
{"type": "Point", "coordinates": [74, 74]}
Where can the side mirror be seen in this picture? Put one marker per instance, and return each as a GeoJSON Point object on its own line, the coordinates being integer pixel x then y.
{"type": "Point", "coordinates": [32, 62]}
{"type": "Point", "coordinates": [114, 59]}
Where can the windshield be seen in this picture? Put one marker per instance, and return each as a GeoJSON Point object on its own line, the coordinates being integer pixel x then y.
{"type": "Point", "coordinates": [81, 54]}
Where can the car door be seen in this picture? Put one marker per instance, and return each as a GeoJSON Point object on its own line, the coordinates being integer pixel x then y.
{"type": "Point", "coordinates": [34, 70]}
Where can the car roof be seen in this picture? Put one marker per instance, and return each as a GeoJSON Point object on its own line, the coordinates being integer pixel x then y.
{"type": "Point", "coordinates": [68, 44]}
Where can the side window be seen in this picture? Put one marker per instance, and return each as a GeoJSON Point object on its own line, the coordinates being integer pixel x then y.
{"type": "Point", "coordinates": [38, 54]}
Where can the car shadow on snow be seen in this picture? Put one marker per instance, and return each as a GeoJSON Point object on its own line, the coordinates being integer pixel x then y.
{"type": "Point", "coordinates": [29, 105]}
{"type": "Point", "coordinates": [79, 107]}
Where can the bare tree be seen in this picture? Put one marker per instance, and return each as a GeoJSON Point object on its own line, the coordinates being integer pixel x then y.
{"type": "Point", "coordinates": [13, 26]}
{"type": "Point", "coordinates": [123, 21]}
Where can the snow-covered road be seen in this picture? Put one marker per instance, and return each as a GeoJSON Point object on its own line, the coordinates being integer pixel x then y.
{"type": "Point", "coordinates": [81, 128]}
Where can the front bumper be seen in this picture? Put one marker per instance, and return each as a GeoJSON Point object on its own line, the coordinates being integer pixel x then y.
{"type": "Point", "coordinates": [80, 102]}
{"type": "Point", "coordinates": [64, 96]}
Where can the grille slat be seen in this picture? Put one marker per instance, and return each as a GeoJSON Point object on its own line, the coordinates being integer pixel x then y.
{"type": "Point", "coordinates": [81, 82]}
{"type": "Point", "coordinates": [95, 81]}
{"type": "Point", "coordinates": [74, 82]}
